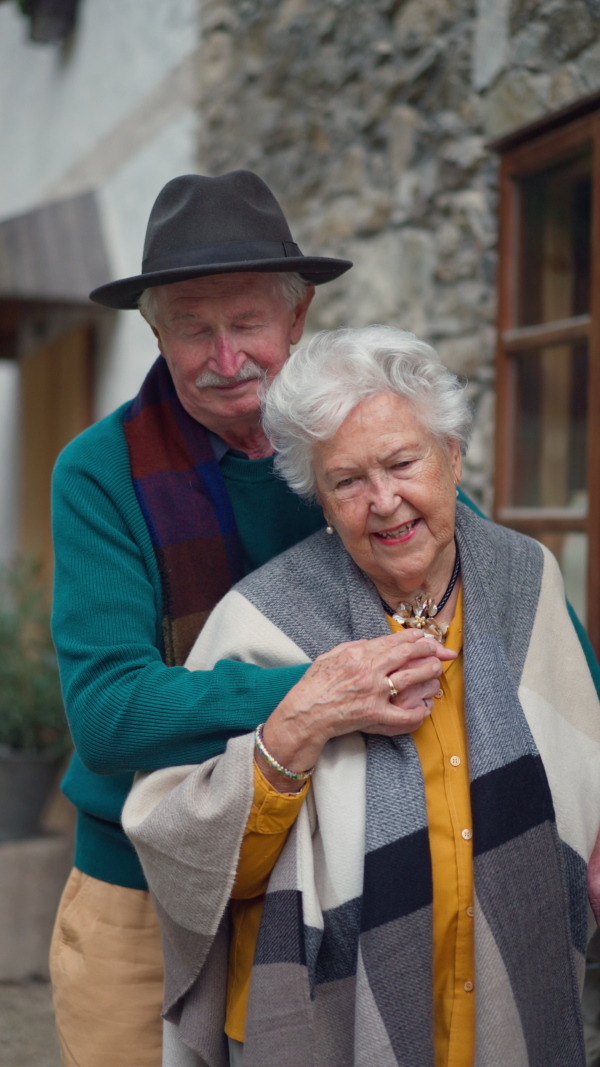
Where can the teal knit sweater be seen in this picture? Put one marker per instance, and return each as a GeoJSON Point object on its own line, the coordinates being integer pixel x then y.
{"type": "Point", "coordinates": [127, 710]}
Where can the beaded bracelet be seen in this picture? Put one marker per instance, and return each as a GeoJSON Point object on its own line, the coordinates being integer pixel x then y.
{"type": "Point", "coordinates": [296, 776]}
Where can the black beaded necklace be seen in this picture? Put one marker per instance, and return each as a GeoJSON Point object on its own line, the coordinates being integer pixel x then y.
{"type": "Point", "coordinates": [419, 613]}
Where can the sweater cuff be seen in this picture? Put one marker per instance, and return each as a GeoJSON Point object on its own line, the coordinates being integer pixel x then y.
{"type": "Point", "coordinates": [273, 812]}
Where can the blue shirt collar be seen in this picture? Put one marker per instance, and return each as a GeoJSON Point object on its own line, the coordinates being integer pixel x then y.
{"type": "Point", "coordinates": [221, 448]}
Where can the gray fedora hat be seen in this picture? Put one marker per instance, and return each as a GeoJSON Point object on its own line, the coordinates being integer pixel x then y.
{"type": "Point", "coordinates": [200, 226]}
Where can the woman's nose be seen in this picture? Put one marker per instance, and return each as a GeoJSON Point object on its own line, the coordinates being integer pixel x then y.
{"type": "Point", "coordinates": [385, 496]}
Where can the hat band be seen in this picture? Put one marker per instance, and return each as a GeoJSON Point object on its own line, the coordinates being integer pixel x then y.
{"type": "Point", "coordinates": [226, 252]}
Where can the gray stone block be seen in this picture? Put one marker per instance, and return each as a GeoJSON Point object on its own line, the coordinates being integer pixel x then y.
{"type": "Point", "coordinates": [490, 51]}
{"type": "Point", "coordinates": [32, 875]}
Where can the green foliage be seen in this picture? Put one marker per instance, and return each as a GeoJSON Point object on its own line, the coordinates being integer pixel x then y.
{"type": "Point", "coordinates": [32, 715]}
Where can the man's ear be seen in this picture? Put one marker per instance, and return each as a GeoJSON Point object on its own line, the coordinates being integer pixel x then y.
{"type": "Point", "coordinates": [153, 328]}
{"type": "Point", "coordinates": [300, 315]}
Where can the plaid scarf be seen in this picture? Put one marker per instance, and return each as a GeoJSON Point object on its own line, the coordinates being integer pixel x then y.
{"type": "Point", "coordinates": [342, 973]}
{"type": "Point", "coordinates": [184, 501]}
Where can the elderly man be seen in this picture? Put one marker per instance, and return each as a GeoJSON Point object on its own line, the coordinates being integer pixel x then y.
{"type": "Point", "coordinates": [158, 510]}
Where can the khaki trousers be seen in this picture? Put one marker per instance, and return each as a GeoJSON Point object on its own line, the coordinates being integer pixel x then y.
{"type": "Point", "coordinates": [107, 976]}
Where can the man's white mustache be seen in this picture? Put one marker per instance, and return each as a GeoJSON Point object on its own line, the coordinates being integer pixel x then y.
{"type": "Point", "coordinates": [246, 373]}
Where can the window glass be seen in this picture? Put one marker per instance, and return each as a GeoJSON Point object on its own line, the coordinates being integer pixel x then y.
{"type": "Point", "coordinates": [549, 458]}
{"type": "Point", "coordinates": [555, 240]}
{"type": "Point", "coordinates": [571, 551]}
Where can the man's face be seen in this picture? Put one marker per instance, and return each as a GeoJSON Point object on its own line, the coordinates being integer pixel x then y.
{"type": "Point", "coordinates": [220, 336]}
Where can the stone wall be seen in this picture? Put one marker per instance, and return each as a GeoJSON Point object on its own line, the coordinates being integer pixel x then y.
{"type": "Point", "coordinates": [370, 121]}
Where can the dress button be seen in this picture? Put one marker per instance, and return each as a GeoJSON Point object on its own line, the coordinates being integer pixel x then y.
{"type": "Point", "coordinates": [467, 834]}
{"type": "Point", "coordinates": [439, 694]}
{"type": "Point", "coordinates": [470, 911]}
{"type": "Point", "coordinates": [455, 761]}
{"type": "Point", "coordinates": [468, 987]}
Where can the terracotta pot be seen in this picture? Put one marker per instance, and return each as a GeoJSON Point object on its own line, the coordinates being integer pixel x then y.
{"type": "Point", "coordinates": [25, 782]}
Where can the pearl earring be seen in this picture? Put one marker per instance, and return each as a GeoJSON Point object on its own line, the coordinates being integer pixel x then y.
{"type": "Point", "coordinates": [457, 490]}
{"type": "Point", "coordinates": [329, 529]}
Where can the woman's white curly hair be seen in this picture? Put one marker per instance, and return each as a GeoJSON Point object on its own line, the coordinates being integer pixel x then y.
{"type": "Point", "coordinates": [323, 381]}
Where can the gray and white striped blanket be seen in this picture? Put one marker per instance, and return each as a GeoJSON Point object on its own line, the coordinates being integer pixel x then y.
{"type": "Point", "coordinates": [342, 973]}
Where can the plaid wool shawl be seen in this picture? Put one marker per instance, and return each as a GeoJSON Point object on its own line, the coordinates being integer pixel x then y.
{"type": "Point", "coordinates": [184, 501]}
{"type": "Point", "coordinates": [343, 966]}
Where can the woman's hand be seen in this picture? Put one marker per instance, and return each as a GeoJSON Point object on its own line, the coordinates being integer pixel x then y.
{"type": "Point", "coordinates": [347, 689]}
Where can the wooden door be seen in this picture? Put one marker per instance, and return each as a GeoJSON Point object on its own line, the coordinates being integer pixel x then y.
{"type": "Point", "coordinates": [55, 400]}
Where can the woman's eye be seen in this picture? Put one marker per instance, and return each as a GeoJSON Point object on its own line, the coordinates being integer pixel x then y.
{"type": "Point", "coordinates": [345, 482]}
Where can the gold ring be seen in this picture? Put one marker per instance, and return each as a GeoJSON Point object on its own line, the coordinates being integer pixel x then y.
{"type": "Point", "coordinates": [393, 690]}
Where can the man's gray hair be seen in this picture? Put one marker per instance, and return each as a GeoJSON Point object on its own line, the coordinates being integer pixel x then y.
{"type": "Point", "coordinates": [324, 381]}
{"type": "Point", "coordinates": [147, 305]}
{"type": "Point", "coordinates": [292, 287]}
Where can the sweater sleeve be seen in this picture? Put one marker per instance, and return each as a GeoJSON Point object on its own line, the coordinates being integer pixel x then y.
{"type": "Point", "coordinates": [126, 709]}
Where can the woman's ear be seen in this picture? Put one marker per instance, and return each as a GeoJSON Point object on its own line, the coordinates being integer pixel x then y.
{"type": "Point", "coordinates": [455, 460]}
{"type": "Point", "coordinates": [328, 528]}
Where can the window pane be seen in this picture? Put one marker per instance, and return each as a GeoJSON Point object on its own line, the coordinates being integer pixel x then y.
{"type": "Point", "coordinates": [571, 551]}
{"type": "Point", "coordinates": [556, 242]}
{"type": "Point", "coordinates": [549, 465]}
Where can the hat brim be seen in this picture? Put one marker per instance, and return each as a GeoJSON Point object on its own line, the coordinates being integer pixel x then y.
{"type": "Point", "coordinates": [125, 294]}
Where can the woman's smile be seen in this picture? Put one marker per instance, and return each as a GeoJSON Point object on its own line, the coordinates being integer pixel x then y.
{"type": "Point", "coordinates": [398, 535]}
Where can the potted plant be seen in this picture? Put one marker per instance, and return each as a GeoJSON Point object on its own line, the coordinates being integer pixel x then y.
{"type": "Point", "coordinates": [34, 736]}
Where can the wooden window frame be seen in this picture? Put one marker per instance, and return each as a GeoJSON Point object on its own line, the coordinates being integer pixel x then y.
{"type": "Point", "coordinates": [543, 145]}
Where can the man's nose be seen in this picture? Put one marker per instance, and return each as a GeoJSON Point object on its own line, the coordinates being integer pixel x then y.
{"type": "Point", "coordinates": [227, 357]}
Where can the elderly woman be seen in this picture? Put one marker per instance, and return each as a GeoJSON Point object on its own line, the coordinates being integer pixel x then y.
{"type": "Point", "coordinates": [392, 870]}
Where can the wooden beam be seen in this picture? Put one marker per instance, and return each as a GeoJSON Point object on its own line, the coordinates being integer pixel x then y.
{"type": "Point", "coordinates": [557, 520]}
{"type": "Point", "coordinates": [593, 408]}
{"type": "Point", "coordinates": [549, 124]}
{"type": "Point", "coordinates": [563, 331]}
{"type": "Point", "coordinates": [55, 397]}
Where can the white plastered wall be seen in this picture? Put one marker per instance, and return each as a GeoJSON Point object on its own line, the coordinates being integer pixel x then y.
{"type": "Point", "coordinates": [114, 112]}
{"type": "Point", "coordinates": [57, 104]}
{"type": "Point", "coordinates": [9, 385]}
{"type": "Point", "coordinates": [125, 202]}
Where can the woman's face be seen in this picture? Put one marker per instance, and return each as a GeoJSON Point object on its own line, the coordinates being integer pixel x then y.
{"type": "Point", "coordinates": [388, 487]}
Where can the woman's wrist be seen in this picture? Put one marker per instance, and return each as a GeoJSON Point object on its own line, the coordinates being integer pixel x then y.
{"type": "Point", "coordinates": [288, 747]}
{"type": "Point", "coordinates": [278, 781]}
{"type": "Point", "coordinates": [275, 764]}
